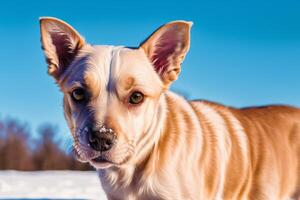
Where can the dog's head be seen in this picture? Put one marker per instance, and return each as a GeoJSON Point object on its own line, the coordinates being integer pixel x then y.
{"type": "Point", "coordinates": [111, 94]}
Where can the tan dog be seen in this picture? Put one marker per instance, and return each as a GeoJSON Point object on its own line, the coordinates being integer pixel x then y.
{"type": "Point", "coordinates": [148, 143]}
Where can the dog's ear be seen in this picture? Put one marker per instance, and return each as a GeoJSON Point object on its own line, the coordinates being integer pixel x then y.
{"type": "Point", "coordinates": [60, 43]}
{"type": "Point", "coordinates": [167, 47]}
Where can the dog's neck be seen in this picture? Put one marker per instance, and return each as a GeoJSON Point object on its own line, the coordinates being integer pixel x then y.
{"type": "Point", "coordinates": [145, 145]}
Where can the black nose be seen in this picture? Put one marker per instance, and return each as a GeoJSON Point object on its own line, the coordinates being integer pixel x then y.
{"type": "Point", "coordinates": [102, 139]}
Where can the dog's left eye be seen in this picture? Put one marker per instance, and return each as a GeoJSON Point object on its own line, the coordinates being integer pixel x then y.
{"type": "Point", "coordinates": [78, 94]}
{"type": "Point", "coordinates": [136, 98]}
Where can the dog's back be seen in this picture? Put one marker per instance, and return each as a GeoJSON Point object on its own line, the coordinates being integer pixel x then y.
{"type": "Point", "coordinates": [274, 135]}
{"type": "Point", "coordinates": [262, 149]}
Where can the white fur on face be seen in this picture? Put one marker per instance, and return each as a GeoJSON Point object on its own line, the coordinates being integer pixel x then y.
{"type": "Point", "coordinates": [109, 75]}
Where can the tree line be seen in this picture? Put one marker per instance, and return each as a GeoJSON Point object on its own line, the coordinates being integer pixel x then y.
{"type": "Point", "coordinates": [20, 151]}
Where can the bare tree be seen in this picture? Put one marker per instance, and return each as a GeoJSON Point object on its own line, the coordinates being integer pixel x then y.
{"type": "Point", "coordinates": [15, 152]}
{"type": "Point", "coordinates": [19, 152]}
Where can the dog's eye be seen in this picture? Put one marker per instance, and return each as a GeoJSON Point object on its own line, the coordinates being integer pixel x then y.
{"type": "Point", "coordinates": [136, 98]}
{"type": "Point", "coordinates": [78, 94]}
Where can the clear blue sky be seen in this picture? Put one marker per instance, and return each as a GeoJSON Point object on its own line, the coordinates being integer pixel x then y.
{"type": "Point", "coordinates": [242, 52]}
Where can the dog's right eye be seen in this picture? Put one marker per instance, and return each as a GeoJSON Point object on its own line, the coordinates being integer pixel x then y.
{"type": "Point", "coordinates": [78, 95]}
{"type": "Point", "coordinates": [136, 98]}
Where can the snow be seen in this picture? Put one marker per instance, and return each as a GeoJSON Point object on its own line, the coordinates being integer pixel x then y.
{"type": "Point", "coordinates": [50, 185]}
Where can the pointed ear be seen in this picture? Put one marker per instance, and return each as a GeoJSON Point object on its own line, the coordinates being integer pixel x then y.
{"type": "Point", "coordinates": [60, 43]}
{"type": "Point", "coordinates": [167, 47]}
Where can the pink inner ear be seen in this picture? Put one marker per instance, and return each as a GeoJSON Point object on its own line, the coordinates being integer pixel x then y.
{"type": "Point", "coordinates": [63, 46]}
{"type": "Point", "coordinates": [165, 48]}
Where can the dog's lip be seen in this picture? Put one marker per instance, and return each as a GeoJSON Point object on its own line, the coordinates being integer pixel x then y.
{"type": "Point", "coordinates": [101, 163]}
{"type": "Point", "coordinates": [100, 159]}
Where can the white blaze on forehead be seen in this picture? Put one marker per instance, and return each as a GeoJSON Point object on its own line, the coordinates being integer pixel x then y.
{"type": "Point", "coordinates": [92, 62]}
{"type": "Point", "coordinates": [99, 63]}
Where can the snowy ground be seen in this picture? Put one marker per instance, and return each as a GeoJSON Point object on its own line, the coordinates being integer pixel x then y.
{"type": "Point", "coordinates": [50, 185]}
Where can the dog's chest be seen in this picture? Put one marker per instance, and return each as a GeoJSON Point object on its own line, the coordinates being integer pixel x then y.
{"type": "Point", "coordinates": [155, 186]}
{"type": "Point", "coordinates": [122, 186]}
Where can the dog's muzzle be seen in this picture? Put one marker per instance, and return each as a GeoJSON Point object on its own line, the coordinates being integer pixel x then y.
{"type": "Point", "coordinates": [101, 138]}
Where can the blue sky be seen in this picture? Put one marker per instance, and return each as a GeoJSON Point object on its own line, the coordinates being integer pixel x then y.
{"type": "Point", "coordinates": [242, 53]}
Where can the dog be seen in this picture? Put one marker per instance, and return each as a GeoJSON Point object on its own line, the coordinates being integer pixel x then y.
{"type": "Point", "coordinates": [149, 143]}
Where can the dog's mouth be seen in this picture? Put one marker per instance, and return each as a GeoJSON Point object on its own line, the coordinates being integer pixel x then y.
{"type": "Point", "coordinates": [117, 156]}
{"type": "Point", "coordinates": [101, 162]}
{"type": "Point", "coordinates": [100, 159]}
